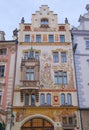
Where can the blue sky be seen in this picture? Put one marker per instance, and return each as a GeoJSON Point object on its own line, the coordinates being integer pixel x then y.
{"type": "Point", "coordinates": [11, 12]}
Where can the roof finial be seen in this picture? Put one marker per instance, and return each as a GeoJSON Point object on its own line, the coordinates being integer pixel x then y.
{"type": "Point", "coordinates": [66, 20]}
{"type": "Point", "coordinates": [31, 55]}
{"type": "Point", "coordinates": [22, 20]}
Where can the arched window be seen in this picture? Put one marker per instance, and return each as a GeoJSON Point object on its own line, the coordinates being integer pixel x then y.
{"type": "Point", "coordinates": [48, 99]}
{"type": "Point", "coordinates": [44, 21]}
{"type": "Point", "coordinates": [69, 99]}
{"type": "Point", "coordinates": [62, 99]}
{"type": "Point", "coordinates": [42, 99]}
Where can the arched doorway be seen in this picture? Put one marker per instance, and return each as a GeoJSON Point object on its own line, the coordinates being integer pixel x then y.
{"type": "Point", "coordinates": [37, 124]}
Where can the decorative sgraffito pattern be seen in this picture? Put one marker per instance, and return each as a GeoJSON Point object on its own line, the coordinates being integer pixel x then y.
{"type": "Point", "coordinates": [55, 114]}
{"type": "Point", "coordinates": [46, 78]}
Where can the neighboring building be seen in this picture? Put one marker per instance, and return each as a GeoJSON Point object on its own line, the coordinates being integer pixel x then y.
{"type": "Point", "coordinates": [81, 55]}
{"type": "Point", "coordinates": [2, 36]}
{"type": "Point", "coordinates": [45, 95]}
{"type": "Point", "coordinates": [7, 65]}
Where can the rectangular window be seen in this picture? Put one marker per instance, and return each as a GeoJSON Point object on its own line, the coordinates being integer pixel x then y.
{"type": "Point", "coordinates": [26, 99]}
{"type": "Point", "coordinates": [37, 55]}
{"type": "Point", "coordinates": [70, 120]}
{"type": "Point", "coordinates": [63, 57]}
{"type": "Point", "coordinates": [64, 120]}
{"type": "Point", "coordinates": [3, 51]}
{"type": "Point", "coordinates": [33, 98]}
{"type": "Point", "coordinates": [60, 77]}
{"type": "Point", "coordinates": [87, 44]}
{"type": "Point", "coordinates": [62, 38]}
{"type": "Point", "coordinates": [64, 77]}
{"type": "Point", "coordinates": [30, 74]}
{"type": "Point", "coordinates": [27, 38]}
{"type": "Point", "coordinates": [38, 38]}
{"type": "Point", "coordinates": [55, 57]}
{"type": "Point", "coordinates": [2, 70]}
{"type": "Point", "coordinates": [26, 55]}
{"type": "Point", "coordinates": [51, 38]}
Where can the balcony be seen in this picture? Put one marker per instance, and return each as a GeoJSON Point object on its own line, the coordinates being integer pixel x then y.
{"type": "Point", "coordinates": [28, 84]}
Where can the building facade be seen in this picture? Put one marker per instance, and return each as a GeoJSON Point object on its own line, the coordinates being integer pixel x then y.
{"type": "Point", "coordinates": [81, 56]}
{"type": "Point", "coordinates": [45, 95]}
{"type": "Point", "coordinates": [7, 65]}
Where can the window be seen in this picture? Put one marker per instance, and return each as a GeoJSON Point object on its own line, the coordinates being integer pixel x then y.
{"type": "Point", "coordinates": [37, 55]}
{"type": "Point", "coordinates": [60, 77]}
{"type": "Point", "coordinates": [38, 38]}
{"type": "Point", "coordinates": [29, 73]}
{"type": "Point", "coordinates": [63, 57]}
{"type": "Point", "coordinates": [51, 38]}
{"type": "Point", "coordinates": [69, 100]}
{"type": "Point", "coordinates": [64, 120]}
{"type": "Point", "coordinates": [87, 44]}
{"type": "Point", "coordinates": [26, 99]}
{"type": "Point", "coordinates": [33, 99]}
{"type": "Point", "coordinates": [26, 55]}
{"type": "Point", "coordinates": [42, 99]}
{"type": "Point", "coordinates": [62, 99]}
{"type": "Point", "coordinates": [27, 38]}
{"type": "Point", "coordinates": [44, 21]}
{"type": "Point", "coordinates": [0, 97]}
{"type": "Point", "coordinates": [68, 120]}
{"type": "Point", "coordinates": [3, 51]}
{"type": "Point", "coordinates": [2, 70]}
{"type": "Point", "coordinates": [64, 78]}
{"type": "Point", "coordinates": [55, 57]}
{"type": "Point", "coordinates": [62, 38]}
{"type": "Point", "coordinates": [48, 99]}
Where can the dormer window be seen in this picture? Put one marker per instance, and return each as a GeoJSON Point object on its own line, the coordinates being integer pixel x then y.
{"type": "Point", "coordinates": [44, 22]}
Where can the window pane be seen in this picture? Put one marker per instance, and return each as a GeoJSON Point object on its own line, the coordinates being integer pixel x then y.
{"type": "Point", "coordinates": [29, 74]}
{"type": "Point", "coordinates": [3, 51]}
{"type": "Point", "coordinates": [38, 38]}
{"type": "Point", "coordinates": [44, 22]}
{"type": "Point", "coordinates": [26, 55]}
{"type": "Point", "coordinates": [26, 99]}
{"type": "Point", "coordinates": [87, 44]}
{"type": "Point", "coordinates": [62, 38]}
{"type": "Point", "coordinates": [64, 77]}
{"type": "Point", "coordinates": [62, 99]}
{"type": "Point", "coordinates": [69, 100]}
{"type": "Point", "coordinates": [37, 55]}
{"type": "Point", "coordinates": [64, 120]}
{"type": "Point", "coordinates": [60, 77]}
{"type": "Point", "coordinates": [56, 77]}
{"type": "Point", "coordinates": [27, 38]}
{"type": "Point", "coordinates": [48, 99]}
{"type": "Point", "coordinates": [2, 69]}
{"type": "Point", "coordinates": [70, 120]}
{"type": "Point", "coordinates": [51, 38]}
{"type": "Point", "coordinates": [32, 99]}
{"type": "Point", "coordinates": [63, 57]}
{"type": "Point", "coordinates": [55, 57]}
{"type": "Point", "coordinates": [42, 99]}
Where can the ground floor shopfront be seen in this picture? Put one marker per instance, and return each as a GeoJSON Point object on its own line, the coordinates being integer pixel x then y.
{"type": "Point", "coordinates": [43, 118]}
